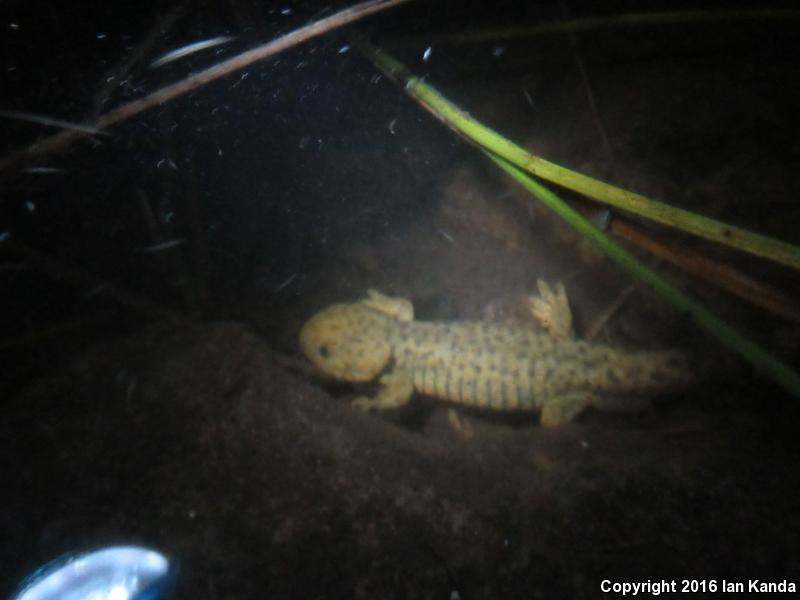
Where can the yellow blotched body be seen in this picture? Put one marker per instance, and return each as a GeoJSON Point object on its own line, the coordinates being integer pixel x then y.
{"type": "Point", "coordinates": [484, 365]}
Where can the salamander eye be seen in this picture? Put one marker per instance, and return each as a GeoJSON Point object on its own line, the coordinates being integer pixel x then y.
{"type": "Point", "coordinates": [324, 351]}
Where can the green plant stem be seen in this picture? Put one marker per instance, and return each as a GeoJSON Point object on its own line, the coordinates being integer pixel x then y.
{"type": "Point", "coordinates": [490, 141]}
{"type": "Point", "coordinates": [723, 233]}
{"type": "Point", "coordinates": [738, 343]}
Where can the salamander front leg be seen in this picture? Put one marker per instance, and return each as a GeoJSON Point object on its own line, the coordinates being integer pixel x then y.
{"type": "Point", "coordinates": [397, 388]}
{"type": "Point", "coordinates": [399, 308]}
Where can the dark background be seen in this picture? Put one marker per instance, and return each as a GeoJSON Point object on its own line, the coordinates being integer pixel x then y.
{"type": "Point", "coordinates": [158, 396]}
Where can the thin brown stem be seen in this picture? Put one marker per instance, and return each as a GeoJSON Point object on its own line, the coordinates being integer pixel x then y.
{"type": "Point", "coordinates": [172, 91]}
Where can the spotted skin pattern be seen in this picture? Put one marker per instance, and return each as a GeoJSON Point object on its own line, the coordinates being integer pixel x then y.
{"type": "Point", "coordinates": [484, 365]}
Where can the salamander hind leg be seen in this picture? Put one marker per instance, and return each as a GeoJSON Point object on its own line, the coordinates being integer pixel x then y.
{"type": "Point", "coordinates": [396, 390]}
{"type": "Point", "coordinates": [560, 410]}
{"type": "Point", "coordinates": [551, 309]}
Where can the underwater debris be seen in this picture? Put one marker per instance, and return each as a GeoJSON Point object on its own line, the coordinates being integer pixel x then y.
{"type": "Point", "coordinates": [50, 122]}
{"type": "Point", "coordinates": [162, 246]}
{"type": "Point", "coordinates": [188, 49]}
{"type": "Point", "coordinates": [163, 95]}
{"type": "Point", "coordinates": [44, 171]}
{"type": "Point", "coordinates": [448, 237]}
{"type": "Point", "coordinates": [167, 161]}
{"type": "Point", "coordinates": [285, 283]}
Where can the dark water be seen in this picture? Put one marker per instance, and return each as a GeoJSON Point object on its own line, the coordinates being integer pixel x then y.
{"type": "Point", "coordinates": [155, 277]}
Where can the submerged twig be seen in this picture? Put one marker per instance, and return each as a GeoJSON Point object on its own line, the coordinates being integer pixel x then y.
{"type": "Point", "coordinates": [51, 122]}
{"type": "Point", "coordinates": [609, 311]}
{"type": "Point", "coordinates": [730, 279]}
{"type": "Point", "coordinates": [698, 264]}
{"type": "Point", "coordinates": [121, 70]}
{"type": "Point", "coordinates": [236, 63]}
{"type": "Point", "coordinates": [708, 320]}
{"type": "Point", "coordinates": [587, 87]}
{"type": "Point", "coordinates": [611, 22]}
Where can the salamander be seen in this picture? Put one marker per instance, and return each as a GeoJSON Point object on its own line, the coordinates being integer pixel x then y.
{"type": "Point", "coordinates": [491, 366]}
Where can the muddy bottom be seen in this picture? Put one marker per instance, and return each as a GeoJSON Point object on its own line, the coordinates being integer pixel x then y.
{"type": "Point", "coordinates": [204, 443]}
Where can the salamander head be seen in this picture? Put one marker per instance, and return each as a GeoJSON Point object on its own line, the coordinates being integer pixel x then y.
{"type": "Point", "coordinates": [348, 341]}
